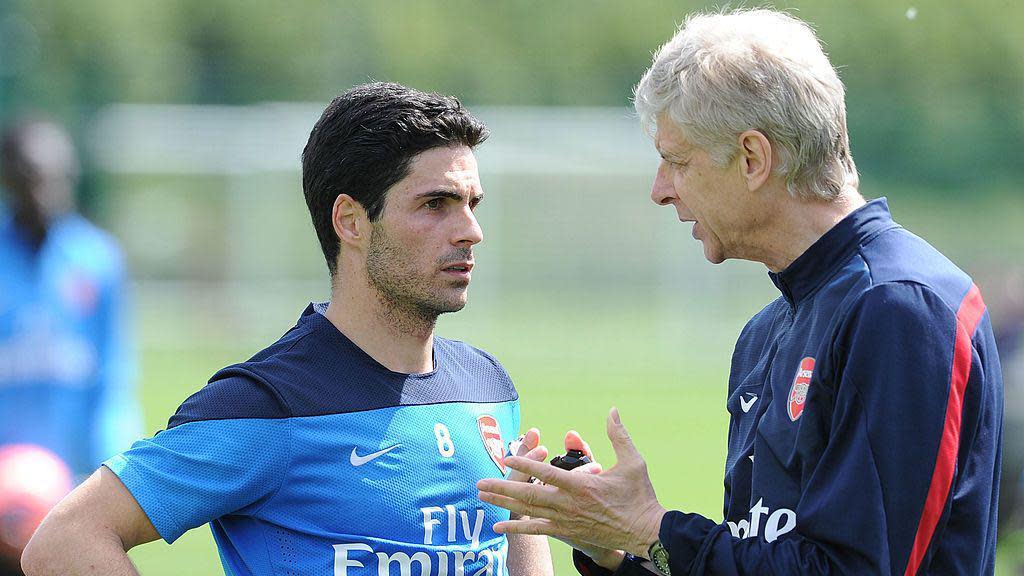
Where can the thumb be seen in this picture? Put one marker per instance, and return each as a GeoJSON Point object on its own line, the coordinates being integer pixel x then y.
{"type": "Point", "coordinates": [573, 441]}
{"type": "Point", "coordinates": [529, 441]}
{"type": "Point", "coordinates": [625, 450]}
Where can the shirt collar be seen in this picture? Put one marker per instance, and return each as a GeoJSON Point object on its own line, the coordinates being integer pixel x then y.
{"type": "Point", "coordinates": [819, 262]}
{"type": "Point", "coordinates": [315, 315]}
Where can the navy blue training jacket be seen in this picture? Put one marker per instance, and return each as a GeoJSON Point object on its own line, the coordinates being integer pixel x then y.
{"type": "Point", "coordinates": [865, 420]}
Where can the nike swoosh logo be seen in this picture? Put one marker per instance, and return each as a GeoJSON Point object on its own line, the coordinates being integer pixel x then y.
{"type": "Point", "coordinates": [746, 405]}
{"type": "Point", "coordinates": [358, 460]}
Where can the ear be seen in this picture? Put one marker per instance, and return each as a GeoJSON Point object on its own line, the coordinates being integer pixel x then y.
{"type": "Point", "coordinates": [755, 158]}
{"type": "Point", "coordinates": [351, 223]}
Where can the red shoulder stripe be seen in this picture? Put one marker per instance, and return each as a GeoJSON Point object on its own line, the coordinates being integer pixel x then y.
{"type": "Point", "coordinates": [967, 317]}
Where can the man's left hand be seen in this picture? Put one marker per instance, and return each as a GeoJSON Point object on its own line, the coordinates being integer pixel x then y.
{"type": "Point", "coordinates": [616, 509]}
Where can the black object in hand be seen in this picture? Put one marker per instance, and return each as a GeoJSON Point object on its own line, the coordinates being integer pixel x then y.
{"type": "Point", "coordinates": [571, 459]}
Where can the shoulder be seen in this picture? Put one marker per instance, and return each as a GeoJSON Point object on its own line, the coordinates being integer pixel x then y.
{"type": "Point", "coordinates": [233, 393]}
{"type": "Point", "coordinates": [466, 354]}
{"type": "Point", "coordinates": [90, 246]}
{"type": "Point", "coordinates": [898, 257]}
{"type": "Point", "coordinates": [898, 322]}
{"type": "Point", "coordinates": [899, 301]}
{"type": "Point", "coordinates": [483, 370]}
{"type": "Point", "coordinates": [249, 389]}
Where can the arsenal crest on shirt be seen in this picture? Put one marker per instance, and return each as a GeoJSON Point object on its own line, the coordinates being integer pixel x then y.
{"type": "Point", "coordinates": [490, 433]}
{"type": "Point", "coordinates": [798, 391]}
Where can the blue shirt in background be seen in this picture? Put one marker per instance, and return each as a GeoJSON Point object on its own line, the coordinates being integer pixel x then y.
{"type": "Point", "coordinates": [67, 369]}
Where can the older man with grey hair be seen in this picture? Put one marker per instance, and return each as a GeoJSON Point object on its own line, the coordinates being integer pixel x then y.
{"type": "Point", "coordinates": [865, 402]}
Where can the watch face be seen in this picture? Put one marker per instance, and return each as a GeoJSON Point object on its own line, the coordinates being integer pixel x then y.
{"type": "Point", "coordinates": [659, 557]}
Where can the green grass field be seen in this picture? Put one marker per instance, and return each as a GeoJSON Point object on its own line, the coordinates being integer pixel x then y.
{"type": "Point", "coordinates": [574, 353]}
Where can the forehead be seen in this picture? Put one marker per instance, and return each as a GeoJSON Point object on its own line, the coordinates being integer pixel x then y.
{"type": "Point", "coordinates": [669, 138]}
{"type": "Point", "coordinates": [450, 167]}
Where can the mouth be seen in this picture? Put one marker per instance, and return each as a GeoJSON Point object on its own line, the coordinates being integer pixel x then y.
{"type": "Point", "coordinates": [459, 269]}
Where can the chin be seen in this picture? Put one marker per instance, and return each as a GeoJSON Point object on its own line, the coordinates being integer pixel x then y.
{"type": "Point", "coordinates": [457, 304]}
{"type": "Point", "coordinates": [713, 255]}
{"type": "Point", "coordinates": [448, 305]}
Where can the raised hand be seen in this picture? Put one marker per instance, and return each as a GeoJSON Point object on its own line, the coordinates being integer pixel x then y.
{"type": "Point", "coordinates": [615, 509]}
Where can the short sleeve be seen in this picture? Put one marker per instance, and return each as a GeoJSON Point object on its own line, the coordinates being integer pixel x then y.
{"type": "Point", "coordinates": [210, 463]}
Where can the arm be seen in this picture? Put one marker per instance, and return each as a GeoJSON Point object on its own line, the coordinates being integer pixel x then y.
{"type": "Point", "coordinates": [529, 555]}
{"type": "Point", "coordinates": [90, 532]}
{"type": "Point", "coordinates": [864, 507]}
{"type": "Point", "coordinates": [199, 469]}
{"type": "Point", "coordinates": [891, 404]}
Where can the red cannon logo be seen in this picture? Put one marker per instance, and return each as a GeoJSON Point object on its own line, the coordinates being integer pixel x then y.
{"type": "Point", "coordinates": [798, 392]}
{"type": "Point", "coordinates": [490, 433]}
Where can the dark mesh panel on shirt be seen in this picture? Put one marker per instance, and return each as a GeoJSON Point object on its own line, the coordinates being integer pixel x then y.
{"type": "Point", "coordinates": [315, 370]}
{"type": "Point", "coordinates": [236, 394]}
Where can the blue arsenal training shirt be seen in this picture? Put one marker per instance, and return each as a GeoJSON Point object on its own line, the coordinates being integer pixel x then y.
{"type": "Point", "coordinates": [312, 458]}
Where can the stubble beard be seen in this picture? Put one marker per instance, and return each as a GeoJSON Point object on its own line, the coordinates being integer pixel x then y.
{"type": "Point", "coordinates": [407, 303]}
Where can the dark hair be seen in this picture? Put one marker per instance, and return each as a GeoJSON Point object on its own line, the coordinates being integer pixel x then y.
{"type": "Point", "coordinates": [365, 142]}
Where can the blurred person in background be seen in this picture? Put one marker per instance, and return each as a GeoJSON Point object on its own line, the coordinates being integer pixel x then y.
{"type": "Point", "coordinates": [353, 443]}
{"type": "Point", "coordinates": [1010, 340]}
{"type": "Point", "coordinates": [66, 366]}
{"type": "Point", "coordinates": [865, 402]}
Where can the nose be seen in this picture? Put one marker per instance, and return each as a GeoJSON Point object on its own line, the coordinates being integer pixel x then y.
{"type": "Point", "coordinates": [469, 231]}
{"type": "Point", "coordinates": [662, 191]}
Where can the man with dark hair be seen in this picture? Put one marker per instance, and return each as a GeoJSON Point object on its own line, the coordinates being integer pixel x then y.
{"type": "Point", "coordinates": [352, 445]}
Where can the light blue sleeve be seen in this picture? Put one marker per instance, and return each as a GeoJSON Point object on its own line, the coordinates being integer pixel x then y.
{"type": "Point", "coordinates": [193, 473]}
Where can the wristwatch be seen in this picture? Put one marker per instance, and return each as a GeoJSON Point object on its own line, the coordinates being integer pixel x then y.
{"type": "Point", "coordinates": [659, 557]}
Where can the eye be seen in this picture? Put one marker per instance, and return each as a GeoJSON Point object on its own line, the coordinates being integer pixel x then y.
{"type": "Point", "coordinates": [475, 202]}
{"type": "Point", "coordinates": [675, 164]}
{"type": "Point", "coordinates": [433, 204]}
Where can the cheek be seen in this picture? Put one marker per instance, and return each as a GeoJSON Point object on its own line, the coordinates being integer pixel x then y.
{"type": "Point", "coordinates": [687, 188]}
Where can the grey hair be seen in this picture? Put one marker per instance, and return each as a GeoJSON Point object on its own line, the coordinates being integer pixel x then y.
{"type": "Point", "coordinates": [725, 73]}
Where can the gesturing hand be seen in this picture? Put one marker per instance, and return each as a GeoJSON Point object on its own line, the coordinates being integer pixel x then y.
{"type": "Point", "coordinates": [616, 509]}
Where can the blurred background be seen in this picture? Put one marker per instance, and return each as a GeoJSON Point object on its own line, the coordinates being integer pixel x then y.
{"type": "Point", "coordinates": [190, 117]}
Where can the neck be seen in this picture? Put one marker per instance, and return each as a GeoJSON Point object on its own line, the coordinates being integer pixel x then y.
{"type": "Point", "coordinates": [401, 340]}
{"type": "Point", "coordinates": [33, 226]}
{"type": "Point", "coordinates": [797, 224]}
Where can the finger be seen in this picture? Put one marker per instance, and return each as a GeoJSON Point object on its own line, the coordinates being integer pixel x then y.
{"type": "Point", "coordinates": [530, 441]}
{"type": "Point", "coordinates": [545, 472]}
{"type": "Point", "coordinates": [541, 526]}
{"type": "Point", "coordinates": [538, 454]}
{"type": "Point", "coordinates": [625, 450]}
{"type": "Point", "coordinates": [517, 507]}
{"type": "Point", "coordinates": [530, 494]}
{"type": "Point", "coordinates": [573, 441]}
{"type": "Point", "coordinates": [592, 468]}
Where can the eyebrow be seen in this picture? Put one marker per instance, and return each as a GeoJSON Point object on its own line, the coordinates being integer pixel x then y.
{"type": "Point", "coordinates": [669, 156]}
{"type": "Point", "coordinates": [662, 153]}
{"type": "Point", "coordinates": [448, 194]}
